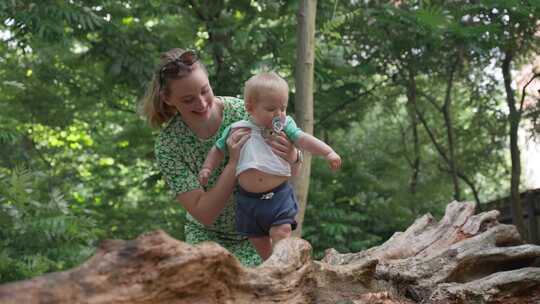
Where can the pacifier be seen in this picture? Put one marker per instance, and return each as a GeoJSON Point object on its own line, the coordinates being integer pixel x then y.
{"type": "Point", "coordinates": [277, 124]}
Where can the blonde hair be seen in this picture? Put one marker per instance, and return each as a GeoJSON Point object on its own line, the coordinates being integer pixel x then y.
{"type": "Point", "coordinates": [263, 83]}
{"type": "Point", "coordinates": [153, 106]}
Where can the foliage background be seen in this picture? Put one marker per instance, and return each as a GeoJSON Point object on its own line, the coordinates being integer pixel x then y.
{"type": "Point", "coordinates": [76, 160]}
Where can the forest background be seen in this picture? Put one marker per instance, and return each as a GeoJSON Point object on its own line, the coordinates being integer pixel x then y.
{"type": "Point", "coordinates": [421, 99]}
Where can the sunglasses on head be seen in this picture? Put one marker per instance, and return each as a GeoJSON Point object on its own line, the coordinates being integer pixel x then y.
{"type": "Point", "coordinates": [171, 69]}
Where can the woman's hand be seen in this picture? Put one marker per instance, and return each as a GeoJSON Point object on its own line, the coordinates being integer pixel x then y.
{"type": "Point", "coordinates": [283, 147]}
{"type": "Point", "coordinates": [236, 140]}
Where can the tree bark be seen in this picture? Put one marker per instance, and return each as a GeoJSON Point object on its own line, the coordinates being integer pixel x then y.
{"type": "Point", "coordinates": [304, 97]}
{"type": "Point", "coordinates": [413, 119]}
{"type": "Point", "coordinates": [514, 117]}
{"type": "Point", "coordinates": [447, 114]}
{"type": "Point", "coordinates": [463, 258]}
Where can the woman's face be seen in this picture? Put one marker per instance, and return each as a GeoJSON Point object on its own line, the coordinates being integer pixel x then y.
{"type": "Point", "coordinates": [192, 95]}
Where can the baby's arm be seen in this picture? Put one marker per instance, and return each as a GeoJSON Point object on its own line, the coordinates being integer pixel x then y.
{"type": "Point", "coordinates": [316, 146]}
{"type": "Point", "coordinates": [213, 159]}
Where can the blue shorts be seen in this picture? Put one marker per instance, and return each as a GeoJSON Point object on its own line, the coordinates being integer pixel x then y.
{"type": "Point", "coordinates": [256, 213]}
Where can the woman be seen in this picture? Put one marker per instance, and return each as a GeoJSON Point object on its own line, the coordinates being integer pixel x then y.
{"type": "Point", "coordinates": [180, 100]}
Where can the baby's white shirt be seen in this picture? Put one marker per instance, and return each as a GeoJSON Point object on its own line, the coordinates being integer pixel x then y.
{"type": "Point", "coordinates": [257, 154]}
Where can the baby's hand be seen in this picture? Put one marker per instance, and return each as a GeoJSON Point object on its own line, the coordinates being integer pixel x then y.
{"type": "Point", "coordinates": [204, 174]}
{"type": "Point", "coordinates": [333, 160]}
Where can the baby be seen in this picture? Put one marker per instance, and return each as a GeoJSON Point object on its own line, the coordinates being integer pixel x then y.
{"type": "Point", "coordinates": [266, 204]}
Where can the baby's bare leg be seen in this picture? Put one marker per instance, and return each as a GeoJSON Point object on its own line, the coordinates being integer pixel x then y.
{"type": "Point", "coordinates": [280, 232]}
{"type": "Point", "coordinates": [263, 246]}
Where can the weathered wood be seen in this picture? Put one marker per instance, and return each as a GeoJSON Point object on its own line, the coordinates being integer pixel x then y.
{"type": "Point", "coordinates": [463, 258]}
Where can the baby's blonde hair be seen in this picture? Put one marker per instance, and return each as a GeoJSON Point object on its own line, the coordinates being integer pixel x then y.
{"type": "Point", "coordinates": [262, 83]}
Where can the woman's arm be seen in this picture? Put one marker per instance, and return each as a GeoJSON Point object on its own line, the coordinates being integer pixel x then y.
{"type": "Point", "coordinates": [206, 206]}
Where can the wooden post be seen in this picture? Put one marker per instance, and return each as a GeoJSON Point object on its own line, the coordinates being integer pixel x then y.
{"type": "Point", "coordinates": [530, 200]}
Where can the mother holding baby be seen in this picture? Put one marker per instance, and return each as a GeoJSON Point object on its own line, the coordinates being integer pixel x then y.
{"type": "Point", "coordinates": [180, 101]}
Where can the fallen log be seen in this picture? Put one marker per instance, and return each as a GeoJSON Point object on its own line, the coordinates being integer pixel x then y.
{"type": "Point", "coordinates": [463, 258]}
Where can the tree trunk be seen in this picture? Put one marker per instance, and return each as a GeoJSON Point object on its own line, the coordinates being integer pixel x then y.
{"type": "Point", "coordinates": [446, 110]}
{"type": "Point", "coordinates": [442, 153]}
{"type": "Point", "coordinates": [473, 189]}
{"type": "Point", "coordinates": [447, 114]}
{"type": "Point", "coordinates": [413, 120]}
{"type": "Point", "coordinates": [304, 97]}
{"type": "Point", "coordinates": [463, 258]}
{"type": "Point", "coordinates": [514, 117]}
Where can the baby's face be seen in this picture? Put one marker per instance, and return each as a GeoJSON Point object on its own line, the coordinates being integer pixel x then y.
{"type": "Point", "coordinates": [269, 105]}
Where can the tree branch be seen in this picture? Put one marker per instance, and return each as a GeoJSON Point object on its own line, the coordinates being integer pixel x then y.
{"type": "Point", "coordinates": [197, 10]}
{"type": "Point", "coordinates": [432, 136]}
{"type": "Point", "coordinates": [523, 93]}
{"type": "Point", "coordinates": [467, 181]}
{"type": "Point", "coordinates": [403, 132]}
{"type": "Point", "coordinates": [342, 106]}
{"type": "Point", "coordinates": [432, 100]}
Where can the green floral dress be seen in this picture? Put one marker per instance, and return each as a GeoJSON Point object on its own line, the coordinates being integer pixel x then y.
{"type": "Point", "coordinates": [180, 155]}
